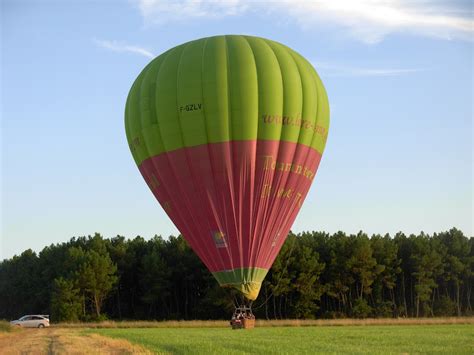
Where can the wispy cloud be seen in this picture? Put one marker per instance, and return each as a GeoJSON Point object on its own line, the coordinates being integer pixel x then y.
{"type": "Point", "coordinates": [162, 11]}
{"type": "Point", "coordinates": [371, 20]}
{"type": "Point", "coordinates": [122, 47]}
{"type": "Point", "coordinates": [330, 69]}
{"type": "Point", "coordinates": [366, 20]}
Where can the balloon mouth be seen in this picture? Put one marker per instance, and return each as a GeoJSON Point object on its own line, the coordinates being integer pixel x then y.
{"type": "Point", "coordinates": [247, 281]}
{"type": "Point", "coordinates": [249, 290]}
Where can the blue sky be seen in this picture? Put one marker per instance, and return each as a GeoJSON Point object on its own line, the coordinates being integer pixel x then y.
{"type": "Point", "coordinates": [399, 76]}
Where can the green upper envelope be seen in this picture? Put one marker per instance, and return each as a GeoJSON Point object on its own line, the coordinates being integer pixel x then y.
{"type": "Point", "coordinates": [225, 88]}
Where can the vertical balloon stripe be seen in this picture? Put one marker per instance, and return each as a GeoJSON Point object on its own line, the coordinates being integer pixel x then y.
{"type": "Point", "coordinates": [270, 88]}
{"type": "Point", "coordinates": [243, 88]}
{"type": "Point", "coordinates": [147, 91]}
{"type": "Point", "coordinates": [166, 101]}
{"type": "Point", "coordinates": [149, 125]}
{"type": "Point", "coordinates": [189, 95]}
{"type": "Point", "coordinates": [243, 107]}
{"type": "Point", "coordinates": [215, 89]}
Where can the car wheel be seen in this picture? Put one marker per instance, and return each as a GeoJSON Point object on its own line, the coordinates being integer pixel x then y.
{"type": "Point", "coordinates": [40, 325]}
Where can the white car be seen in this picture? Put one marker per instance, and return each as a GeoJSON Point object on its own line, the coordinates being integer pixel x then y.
{"type": "Point", "coordinates": [32, 321]}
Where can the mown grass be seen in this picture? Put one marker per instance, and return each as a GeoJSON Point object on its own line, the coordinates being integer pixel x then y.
{"type": "Point", "coordinates": [428, 339]}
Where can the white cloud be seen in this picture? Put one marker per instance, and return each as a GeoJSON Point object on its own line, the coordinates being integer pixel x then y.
{"type": "Point", "coordinates": [121, 47]}
{"type": "Point", "coordinates": [162, 11]}
{"type": "Point", "coordinates": [366, 20]}
{"type": "Point", "coordinates": [371, 20]}
{"type": "Point", "coordinates": [330, 69]}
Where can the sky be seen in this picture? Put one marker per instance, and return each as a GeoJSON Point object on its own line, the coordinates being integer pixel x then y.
{"type": "Point", "coordinates": [399, 76]}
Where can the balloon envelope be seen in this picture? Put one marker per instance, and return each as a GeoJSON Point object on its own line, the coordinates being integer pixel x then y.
{"type": "Point", "coordinates": [228, 133]}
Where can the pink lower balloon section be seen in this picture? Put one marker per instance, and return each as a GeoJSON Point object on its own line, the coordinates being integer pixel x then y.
{"type": "Point", "coordinates": [234, 202]}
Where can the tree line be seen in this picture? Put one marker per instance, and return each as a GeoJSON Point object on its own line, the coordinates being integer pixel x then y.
{"type": "Point", "coordinates": [316, 275]}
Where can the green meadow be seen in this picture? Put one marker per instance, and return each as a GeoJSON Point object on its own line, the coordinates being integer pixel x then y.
{"type": "Point", "coordinates": [396, 339]}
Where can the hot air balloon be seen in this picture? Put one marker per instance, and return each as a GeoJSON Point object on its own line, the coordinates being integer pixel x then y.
{"type": "Point", "coordinates": [228, 132]}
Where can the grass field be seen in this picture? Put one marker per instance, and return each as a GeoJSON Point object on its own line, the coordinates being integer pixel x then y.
{"type": "Point", "coordinates": [398, 339]}
{"type": "Point", "coordinates": [350, 336]}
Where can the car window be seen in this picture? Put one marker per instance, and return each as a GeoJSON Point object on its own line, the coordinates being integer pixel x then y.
{"type": "Point", "coordinates": [37, 318]}
{"type": "Point", "coordinates": [25, 318]}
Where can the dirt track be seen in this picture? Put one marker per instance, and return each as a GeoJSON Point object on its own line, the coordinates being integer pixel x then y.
{"type": "Point", "coordinates": [63, 341]}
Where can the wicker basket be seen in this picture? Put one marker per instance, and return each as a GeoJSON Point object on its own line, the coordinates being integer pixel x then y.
{"type": "Point", "coordinates": [243, 318]}
{"type": "Point", "coordinates": [248, 323]}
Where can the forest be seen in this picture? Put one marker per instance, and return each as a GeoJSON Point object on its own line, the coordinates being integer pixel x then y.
{"type": "Point", "coordinates": [316, 275]}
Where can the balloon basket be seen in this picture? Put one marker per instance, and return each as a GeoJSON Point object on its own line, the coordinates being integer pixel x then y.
{"type": "Point", "coordinates": [242, 318]}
